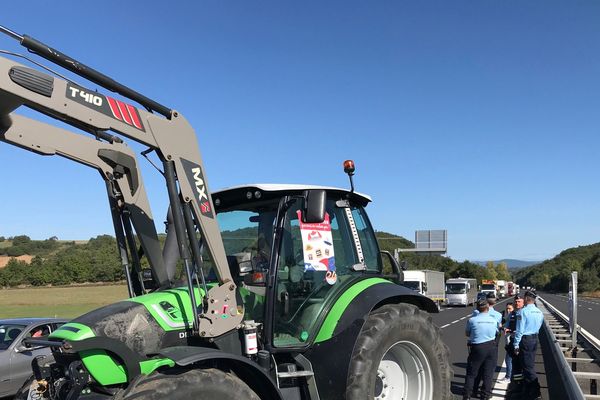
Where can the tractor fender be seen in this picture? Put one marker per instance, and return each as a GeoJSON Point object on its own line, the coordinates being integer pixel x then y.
{"type": "Point", "coordinates": [251, 373]}
{"type": "Point", "coordinates": [331, 357]}
{"type": "Point", "coordinates": [378, 295]}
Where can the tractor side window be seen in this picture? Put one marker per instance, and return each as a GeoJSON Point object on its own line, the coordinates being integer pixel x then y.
{"type": "Point", "coordinates": [315, 259]}
{"type": "Point", "coordinates": [247, 235]}
{"type": "Point", "coordinates": [368, 241]}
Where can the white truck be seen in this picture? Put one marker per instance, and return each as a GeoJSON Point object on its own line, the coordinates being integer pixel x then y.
{"type": "Point", "coordinates": [489, 286]}
{"type": "Point", "coordinates": [428, 283]}
{"type": "Point", "coordinates": [461, 291]}
{"type": "Point", "coordinates": [501, 285]}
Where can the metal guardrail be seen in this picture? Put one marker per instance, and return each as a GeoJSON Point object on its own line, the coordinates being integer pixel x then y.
{"type": "Point", "coordinates": [567, 364]}
{"type": "Point", "coordinates": [572, 389]}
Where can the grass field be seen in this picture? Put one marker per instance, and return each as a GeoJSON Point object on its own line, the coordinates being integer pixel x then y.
{"type": "Point", "coordinates": [63, 302]}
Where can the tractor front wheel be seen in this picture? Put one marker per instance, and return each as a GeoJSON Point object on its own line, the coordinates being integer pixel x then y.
{"type": "Point", "coordinates": [399, 354]}
{"type": "Point", "coordinates": [190, 384]}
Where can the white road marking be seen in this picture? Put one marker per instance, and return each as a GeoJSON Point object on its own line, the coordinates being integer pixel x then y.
{"type": "Point", "coordinates": [443, 326]}
{"type": "Point", "coordinates": [588, 309]}
{"type": "Point", "coordinates": [499, 389]}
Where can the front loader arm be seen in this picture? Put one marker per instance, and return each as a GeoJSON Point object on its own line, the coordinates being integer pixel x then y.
{"type": "Point", "coordinates": [173, 140]}
{"type": "Point", "coordinates": [117, 165]}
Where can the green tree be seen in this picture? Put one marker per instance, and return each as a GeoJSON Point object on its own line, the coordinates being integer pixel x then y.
{"type": "Point", "coordinates": [21, 239]}
{"type": "Point", "coordinates": [502, 271]}
{"type": "Point", "coordinates": [588, 280]}
{"type": "Point", "coordinates": [490, 271]}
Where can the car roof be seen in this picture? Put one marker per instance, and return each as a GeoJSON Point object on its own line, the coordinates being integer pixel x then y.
{"type": "Point", "coordinates": [31, 321]}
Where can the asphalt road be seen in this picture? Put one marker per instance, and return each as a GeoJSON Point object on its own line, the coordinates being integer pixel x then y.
{"type": "Point", "coordinates": [587, 310]}
{"type": "Point", "coordinates": [452, 321]}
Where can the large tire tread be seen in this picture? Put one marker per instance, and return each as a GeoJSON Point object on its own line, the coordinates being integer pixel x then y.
{"type": "Point", "coordinates": [196, 384]}
{"type": "Point", "coordinates": [400, 320]}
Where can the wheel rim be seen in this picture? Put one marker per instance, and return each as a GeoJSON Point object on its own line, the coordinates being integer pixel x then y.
{"type": "Point", "coordinates": [404, 373]}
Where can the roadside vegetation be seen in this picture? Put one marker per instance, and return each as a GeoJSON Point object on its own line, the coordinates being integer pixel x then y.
{"type": "Point", "coordinates": [554, 274]}
{"type": "Point", "coordinates": [59, 263]}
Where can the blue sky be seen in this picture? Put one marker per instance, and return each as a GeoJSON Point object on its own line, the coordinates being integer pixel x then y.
{"type": "Point", "coordinates": [481, 118]}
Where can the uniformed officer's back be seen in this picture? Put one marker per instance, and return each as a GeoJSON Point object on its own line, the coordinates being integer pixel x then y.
{"type": "Point", "coordinates": [529, 322]}
{"type": "Point", "coordinates": [481, 330]}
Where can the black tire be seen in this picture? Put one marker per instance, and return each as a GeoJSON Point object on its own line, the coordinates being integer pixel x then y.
{"type": "Point", "coordinates": [189, 384]}
{"type": "Point", "coordinates": [386, 327]}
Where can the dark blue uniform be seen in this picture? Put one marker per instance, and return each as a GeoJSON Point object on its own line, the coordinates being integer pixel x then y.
{"type": "Point", "coordinates": [482, 329]}
{"type": "Point", "coordinates": [529, 322]}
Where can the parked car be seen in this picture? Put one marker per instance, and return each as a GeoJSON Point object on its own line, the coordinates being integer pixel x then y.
{"type": "Point", "coordinates": [15, 356]}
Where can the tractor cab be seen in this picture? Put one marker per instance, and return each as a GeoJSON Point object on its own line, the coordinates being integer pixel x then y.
{"type": "Point", "coordinates": [271, 235]}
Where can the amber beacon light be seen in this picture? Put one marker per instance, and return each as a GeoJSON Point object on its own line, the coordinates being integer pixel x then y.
{"type": "Point", "coordinates": [349, 169]}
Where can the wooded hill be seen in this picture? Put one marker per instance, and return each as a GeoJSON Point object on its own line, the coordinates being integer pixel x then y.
{"type": "Point", "coordinates": [554, 274]}
{"type": "Point", "coordinates": [64, 263]}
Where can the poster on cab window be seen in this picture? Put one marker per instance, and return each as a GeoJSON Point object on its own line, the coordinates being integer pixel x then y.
{"type": "Point", "coordinates": [317, 247]}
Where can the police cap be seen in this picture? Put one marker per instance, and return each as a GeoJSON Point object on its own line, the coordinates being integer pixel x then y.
{"type": "Point", "coordinates": [530, 294]}
{"type": "Point", "coordinates": [490, 295]}
{"type": "Point", "coordinates": [518, 296]}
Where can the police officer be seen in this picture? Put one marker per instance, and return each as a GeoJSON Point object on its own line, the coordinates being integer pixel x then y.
{"type": "Point", "coordinates": [529, 322]}
{"type": "Point", "coordinates": [510, 328]}
{"type": "Point", "coordinates": [481, 330]}
{"type": "Point", "coordinates": [491, 299]}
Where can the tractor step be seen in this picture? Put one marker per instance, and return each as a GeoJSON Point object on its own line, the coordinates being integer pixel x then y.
{"type": "Point", "coordinates": [295, 374]}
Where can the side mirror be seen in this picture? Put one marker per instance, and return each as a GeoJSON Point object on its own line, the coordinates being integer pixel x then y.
{"type": "Point", "coordinates": [314, 206]}
{"type": "Point", "coordinates": [398, 275]}
{"type": "Point", "coordinates": [404, 265]}
{"type": "Point", "coordinates": [21, 348]}
{"type": "Point", "coordinates": [424, 286]}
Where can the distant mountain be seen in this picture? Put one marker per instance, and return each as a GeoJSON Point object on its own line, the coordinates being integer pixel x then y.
{"type": "Point", "coordinates": [511, 263]}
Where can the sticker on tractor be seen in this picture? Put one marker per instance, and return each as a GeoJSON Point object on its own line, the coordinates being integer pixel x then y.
{"type": "Point", "coordinates": [196, 179]}
{"type": "Point", "coordinates": [317, 248]}
{"type": "Point", "coordinates": [114, 108]}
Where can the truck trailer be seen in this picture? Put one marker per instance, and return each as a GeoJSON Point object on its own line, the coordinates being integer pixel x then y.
{"type": "Point", "coordinates": [428, 283]}
{"type": "Point", "coordinates": [501, 289]}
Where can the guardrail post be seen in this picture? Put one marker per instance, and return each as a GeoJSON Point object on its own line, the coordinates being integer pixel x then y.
{"type": "Point", "coordinates": [593, 387]}
{"type": "Point", "coordinates": [573, 309]}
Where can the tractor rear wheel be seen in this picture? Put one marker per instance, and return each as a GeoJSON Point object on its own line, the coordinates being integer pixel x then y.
{"type": "Point", "coordinates": [190, 384]}
{"type": "Point", "coordinates": [399, 354]}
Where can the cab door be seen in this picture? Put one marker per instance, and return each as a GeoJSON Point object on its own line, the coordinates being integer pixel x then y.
{"type": "Point", "coordinates": [317, 263]}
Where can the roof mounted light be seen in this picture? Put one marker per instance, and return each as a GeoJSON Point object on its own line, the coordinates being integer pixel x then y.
{"type": "Point", "coordinates": [349, 169]}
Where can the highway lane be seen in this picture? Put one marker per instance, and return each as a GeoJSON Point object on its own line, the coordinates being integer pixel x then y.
{"type": "Point", "coordinates": [587, 311]}
{"type": "Point", "coordinates": [452, 322]}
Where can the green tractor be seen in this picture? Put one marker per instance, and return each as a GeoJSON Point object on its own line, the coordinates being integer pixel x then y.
{"type": "Point", "coordinates": [282, 293]}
